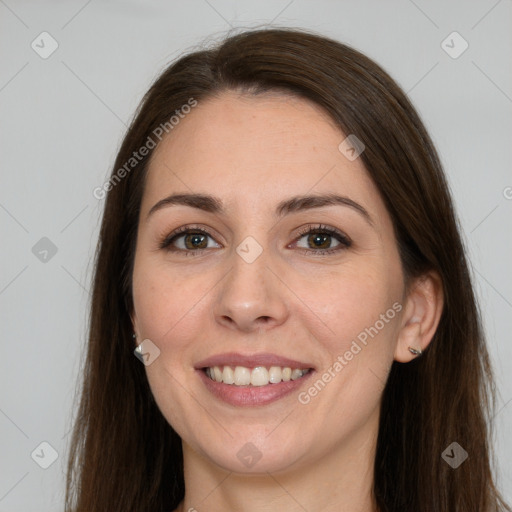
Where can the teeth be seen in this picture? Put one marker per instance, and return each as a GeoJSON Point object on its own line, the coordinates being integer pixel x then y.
{"type": "Point", "coordinates": [217, 374]}
{"type": "Point", "coordinates": [259, 376]}
{"type": "Point", "coordinates": [242, 376]}
{"type": "Point", "coordinates": [275, 374]}
{"type": "Point", "coordinates": [228, 376]}
{"type": "Point", "coordinates": [296, 374]}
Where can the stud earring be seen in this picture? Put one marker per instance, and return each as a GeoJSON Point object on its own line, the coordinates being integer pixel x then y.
{"type": "Point", "coordinates": [416, 352]}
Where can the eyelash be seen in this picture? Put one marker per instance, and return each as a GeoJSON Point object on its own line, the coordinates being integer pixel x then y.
{"type": "Point", "coordinates": [344, 240]}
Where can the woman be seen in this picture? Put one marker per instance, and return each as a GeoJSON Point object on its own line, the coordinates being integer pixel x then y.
{"type": "Point", "coordinates": [279, 247]}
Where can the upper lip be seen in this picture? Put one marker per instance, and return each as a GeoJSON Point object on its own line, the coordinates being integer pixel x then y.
{"type": "Point", "coordinates": [251, 361]}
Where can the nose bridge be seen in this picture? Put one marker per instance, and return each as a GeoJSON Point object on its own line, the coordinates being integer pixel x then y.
{"type": "Point", "coordinates": [249, 297]}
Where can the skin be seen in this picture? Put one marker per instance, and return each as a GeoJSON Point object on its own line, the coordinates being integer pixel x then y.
{"type": "Point", "coordinates": [253, 152]}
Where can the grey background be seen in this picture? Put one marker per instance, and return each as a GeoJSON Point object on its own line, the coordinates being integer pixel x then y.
{"type": "Point", "coordinates": [63, 118]}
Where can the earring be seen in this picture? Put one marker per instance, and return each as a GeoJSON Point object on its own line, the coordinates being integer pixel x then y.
{"type": "Point", "coordinates": [416, 352]}
{"type": "Point", "coordinates": [138, 348]}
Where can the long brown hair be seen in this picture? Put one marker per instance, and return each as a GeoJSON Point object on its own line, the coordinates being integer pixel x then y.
{"type": "Point", "coordinates": [125, 456]}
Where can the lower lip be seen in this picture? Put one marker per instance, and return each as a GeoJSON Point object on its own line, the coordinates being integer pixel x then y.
{"type": "Point", "coordinates": [252, 395]}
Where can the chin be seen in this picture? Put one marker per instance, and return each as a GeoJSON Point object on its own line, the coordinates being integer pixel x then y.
{"type": "Point", "coordinates": [251, 459]}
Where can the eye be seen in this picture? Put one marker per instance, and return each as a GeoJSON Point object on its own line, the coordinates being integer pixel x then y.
{"type": "Point", "coordinates": [322, 240]}
{"type": "Point", "coordinates": [318, 240]}
{"type": "Point", "coordinates": [188, 240]}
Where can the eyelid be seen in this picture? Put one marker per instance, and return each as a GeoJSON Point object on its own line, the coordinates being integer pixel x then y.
{"type": "Point", "coordinates": [344, 240]}
{"type": "Point", "coordinates": [323, 228]}
{"type": "Point", "coordinates": [184, 230]}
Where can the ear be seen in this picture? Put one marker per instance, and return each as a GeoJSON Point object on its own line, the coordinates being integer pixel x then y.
{"type": "Point", "coordinates": [422, 312]}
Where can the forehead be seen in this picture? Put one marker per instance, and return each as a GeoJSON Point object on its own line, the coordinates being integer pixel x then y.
{"type": "Point", "coordinates": [255, 149]}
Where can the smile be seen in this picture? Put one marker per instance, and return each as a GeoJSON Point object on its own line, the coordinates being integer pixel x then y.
{"type": "Point", "coordinates": [259, 376]}
{"type": "Point", "coordinates": [255, 379]}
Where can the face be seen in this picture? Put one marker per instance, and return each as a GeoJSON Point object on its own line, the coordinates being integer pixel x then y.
{"type": "Point", "coordinates": [251, 284]}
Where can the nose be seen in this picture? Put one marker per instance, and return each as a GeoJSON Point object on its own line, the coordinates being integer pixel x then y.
{"type": "Point", "coordinates": [251, 298]}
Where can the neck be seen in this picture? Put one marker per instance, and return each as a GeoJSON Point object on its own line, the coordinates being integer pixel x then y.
{"type": "Point", "coordinates": [340, 481]}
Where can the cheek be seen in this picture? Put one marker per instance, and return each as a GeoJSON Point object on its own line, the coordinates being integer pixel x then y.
{"type": "Point", "coordinates": [350, 302]}
{"type": "Point", "coordinates": [171, 310]}
{"type": "Point", "coordinates": [360, 317]}
{"type": "Point", "coordinates": [165, 302]}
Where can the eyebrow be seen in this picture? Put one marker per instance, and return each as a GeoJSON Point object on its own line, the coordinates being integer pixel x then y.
{"type": "Point", "coordinates": [213, 204]}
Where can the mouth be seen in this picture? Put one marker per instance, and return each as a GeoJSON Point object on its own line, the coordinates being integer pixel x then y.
{"type": "Point", "coordinates": [258, 376]}
{"type": "Point", "coordinates": [258, 379]}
